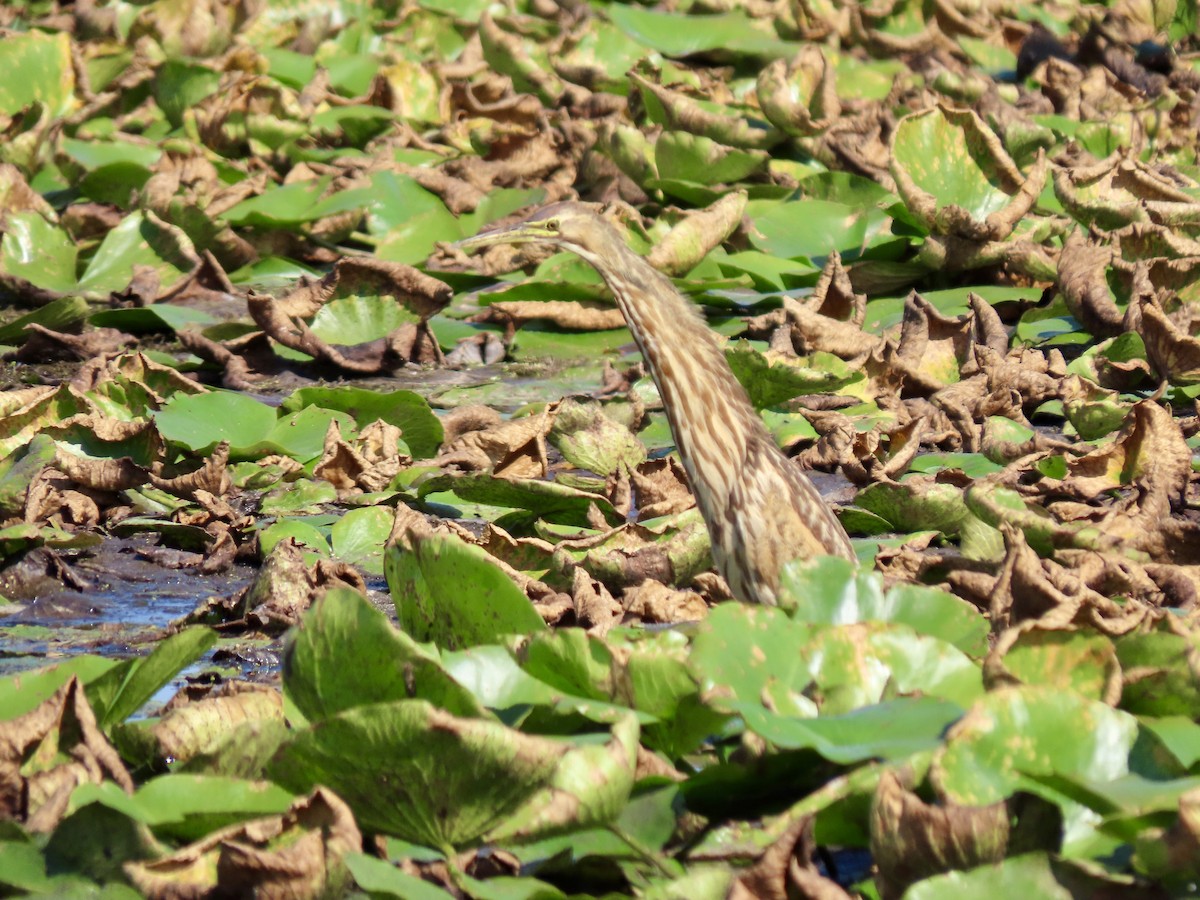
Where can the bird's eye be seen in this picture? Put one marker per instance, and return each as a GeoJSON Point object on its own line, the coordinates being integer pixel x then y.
{"type": "Point", "coordinates": [552, 225]}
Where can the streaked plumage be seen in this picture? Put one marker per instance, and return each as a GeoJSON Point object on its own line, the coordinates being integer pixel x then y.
{"type": "Point", "coordinates": [761, 510]}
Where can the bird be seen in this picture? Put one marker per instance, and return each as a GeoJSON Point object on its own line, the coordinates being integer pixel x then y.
{"type": "Point", "coordinates": [761, 510]}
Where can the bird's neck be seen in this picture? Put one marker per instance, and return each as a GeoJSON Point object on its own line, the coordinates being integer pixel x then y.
{"type": "Point", "coordinates": [711, 416]}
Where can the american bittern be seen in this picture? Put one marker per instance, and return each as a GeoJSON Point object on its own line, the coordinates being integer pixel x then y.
{"type": "Point", "coordinates": [760, 509]}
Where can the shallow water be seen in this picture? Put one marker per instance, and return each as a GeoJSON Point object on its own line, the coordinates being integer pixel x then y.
{"type": "Point", "coordinates": [119, 607]}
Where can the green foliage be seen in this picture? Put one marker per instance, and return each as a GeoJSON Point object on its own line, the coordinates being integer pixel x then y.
{"type": "Point", "coordinates": [994, 305]}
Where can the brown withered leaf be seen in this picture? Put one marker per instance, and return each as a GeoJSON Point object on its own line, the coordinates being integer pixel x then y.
{"type": "Point", "coordinates": [284, 319]}
{"type": "Point", "coordinates": [110, 430]}
{"type": "Point", "coordinates": [858, 144]}
{"type": "Point", "coordinates": [879, 454]}
{"type": "Point", "coordinates": [815, 331]}
{"type": "Point", "coordinates": [1178, 585]}
{"type": "Point", "coordinates": [618, 488]}
{"type": "Point", "coordinates": [1150, 454]}
{"type": "Point", "coordinates": [298, 854]}
{"type": "Point", "coordinates": [281, 592]}
{"type": "Point", "coordinates": [614, 383]}
{"type": "Point", "coordinates": [683, 113]}
{"type": "Point", "coordinates": [17, 196]}
{"type": "Point", "coordinates": [595, 608]}
{"type": "Point", "coordinates": [379, 444]}
{"type": "Point", "coordinates": [786, 870]}
{"type": "Point", "coordinates": [970, 402]}
{"type": "Point", "coordinates": [157, 380]}
{"type": "Point", "coordinates": [520, 158]}
{"type": "Point", "coordinates": [43, 345]}
{"type": "Point", "coordinates": [463, 419]}
{"type": "Point", "coordinates": [1033, 375]}
{"type": "Point", "coordinates": [1081, 280]}
{"type": "Point", "coordinates": [210, 508]}
{"type": "Point", "coordinates": [932, 347]}
{"type": "Point", "coordinates": [187, 187]}
{"type": "Point", "coordinates": [834, 296]}
{"type": "Point", "coordinates": [835, 445]}
{"type": "Point", "coordinates": [212, 477]}
{"type": "Point", "coordinates": [657, 603]}
{"type": "Point", "coordinates": [885, 381]}
{"type": "Point", "coordinates": [696, 233]}
{"type": "Point", "coordinates": [221, 554]}
{"type": "Point", "coordinates": [571, 315]}
{"type": "Point", "coordinates": [48, 752]}
{"type": "Point", "coordinates": [661, 487]}
{"type": "Point", "coordinates": [799, 97]}
{"type": "Point", "coordinates": [238, 374]}
{"type": "Point", "coordinates": [1031, 588]}
{"type": "Point", "coordinates": [110, 475]}
{"type": "Point", "coordinates": [912, 840]}
{"type": "Point", "coordinates": [369, 466]}
{"type": "Point", "coordinates": [206, 287]}
{"type": "Point", "coordinates": [85, 220]}
{"type": "Point", "coordinates": [828, 319]}
{"type": "Point", "coordinates": [52, 498]}
{"type": "Point", "coordinates": [416, 344]}
{"type": "Point", "coordinates": [189, 727]}
{"type": "Point", "coordinates": [512, 449]}
{"type": "Point", "coordinates": [1173, 351]}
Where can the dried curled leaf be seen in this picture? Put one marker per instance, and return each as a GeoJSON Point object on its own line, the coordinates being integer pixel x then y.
{"type": "Point", "coordinates": [912, 839]}
{"type": "Point", "coordinates": [298, 854]}
{"type": "Point", "coordinates": [800, 97]}
{"type": "Point", "coordinates": [48, 752]}
{"type": "Point", "coordinates": [956, 177]}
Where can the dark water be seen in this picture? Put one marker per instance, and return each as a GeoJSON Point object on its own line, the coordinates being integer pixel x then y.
{"type": "Point", "coordinates": [110, 602]}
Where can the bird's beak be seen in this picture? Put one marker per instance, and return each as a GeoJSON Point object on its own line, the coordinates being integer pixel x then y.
{"type": "Point", "coordinates": [515, 234]}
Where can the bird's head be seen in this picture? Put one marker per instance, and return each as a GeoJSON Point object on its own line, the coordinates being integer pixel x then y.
{"type": "Point", "coordinates": [567, 225]}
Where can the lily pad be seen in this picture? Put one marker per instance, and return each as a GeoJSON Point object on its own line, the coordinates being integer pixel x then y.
{"type": "Point", "coordinates": [454, 594]}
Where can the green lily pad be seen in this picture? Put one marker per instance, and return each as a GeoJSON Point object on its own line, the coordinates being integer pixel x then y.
{"type": "Point", "coordinates": [291, 206]}
{"type": "Point", "coordinates": [949, 163]}
{"type": "Point", "coordinates": [443, 781]}
{"type": "Point", "coordinates": [122, 690]}
{"type": "Point", "coordinates": [359, 320]}
{"type": "Point", "coordinates": [677, 35]}
{"type": "Point", "coordinates": [811, 229]}
{"type": "Point", "coordinates": [159, 317]}
{"type": "Point", "coordinates": [37, 69]}
{"type": "Point", "coordinates": [916, 506]}
{"type": "Point", "coordinates": [591, 440]}
{"type": "Point", "coordinates": [452, 593]}
{"type": "Point", "coordinates": [681, 156]}
{"type": "Point", "coordinates": [38, 252]}
{"type": "Point", "coordinates": [830, 591]}
{"type": "Point", "coordinates": [1020, 876]}
{"type": "Point", "coordinates": [408, 411]}
{"type": "Point", "coordinates": [543, 499]}
{"type": "Point", "coordinates": [199, 422]}
{"type": "Point", "coordinates": [1034, 730]}
{"type": "Point", "coordinates": [320, 686]}
{"type": "Point", "coordinates": [771, 381]}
